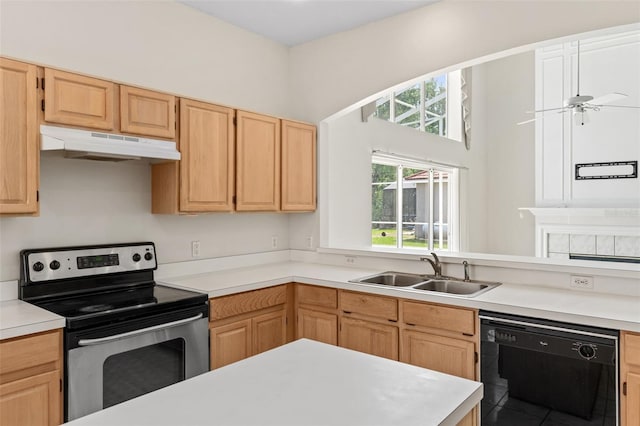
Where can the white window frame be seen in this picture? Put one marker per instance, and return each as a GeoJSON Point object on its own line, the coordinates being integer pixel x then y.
{"type": "Point", "coordinates": [453, 205]}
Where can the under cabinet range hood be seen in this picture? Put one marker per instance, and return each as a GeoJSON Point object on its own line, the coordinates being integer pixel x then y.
{"type": "Point", "coordinates": [105, 146]}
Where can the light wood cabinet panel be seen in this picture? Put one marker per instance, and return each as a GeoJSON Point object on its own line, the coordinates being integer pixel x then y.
{"type": "Point", "coordinates": [207, 166]}
{"type": "Point", "coordinates": [298, 166]}
{"type": "Point", "coordinates": [457, 320]}
{"type": "Point", "coordinates": [630, 378]}
{"type": "Point", "coordinates": [315, 325]}
{"type": "Point", "coordinates": [19, 138]}
{"type": "Point", "coordinates": [35, 400]}
{"type": "Point", "coordinates": [147, 113]}
{"type": "Point", "coordinates": [369, 337]}
{"type": "Point", "coordinates": [257, 162]}
{"type": "Point", "coordinates": [444, 354]}
{"type": "Point", "coordinates": [78, 100]}
{"type": "Point", "coordinates": [385, 308]}
{"type": "Point", "coordinates": [230, 343]}
{"type": "Point", "coordinates": [269, 331]}
{"type": "Point", "coordinates": [250, 301]}
{"type": "Point", "coordinates": [317, 296]}
{"type": "Point", "coordinates": [31, 379]}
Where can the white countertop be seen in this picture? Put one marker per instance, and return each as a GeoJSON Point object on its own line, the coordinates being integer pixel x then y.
{"type": "Point", "coordinates": [18, 318]}
{"type": "Point", "coordinates": [303, 383]}
{"type": "Point", "coordinates": [580, 307]}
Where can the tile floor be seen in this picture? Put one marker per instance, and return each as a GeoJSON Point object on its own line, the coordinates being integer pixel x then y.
{"type": "Point", "coordinates": [498, 409]}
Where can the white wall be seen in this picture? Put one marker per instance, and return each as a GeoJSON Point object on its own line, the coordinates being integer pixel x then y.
{"type": "Point", "coordinates": [161, 45]}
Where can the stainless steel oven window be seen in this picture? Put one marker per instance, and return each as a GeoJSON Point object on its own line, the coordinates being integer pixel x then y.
{"type": "Point", "coordinates": [90, 368]}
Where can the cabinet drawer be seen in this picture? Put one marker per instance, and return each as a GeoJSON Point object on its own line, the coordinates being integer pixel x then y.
{"type": "Point", "coordinates": [228, 306]}
{"type": "Point", "coordinates": [441, 317]}
{"type": "Point", "coordinates": [631, 348]}
{"type": "Point", "coordinates": [366, 304]}
{"type": "Point", "coordinates": [317, 296]}
{"type": "Point", "coordinates": [25, 352]}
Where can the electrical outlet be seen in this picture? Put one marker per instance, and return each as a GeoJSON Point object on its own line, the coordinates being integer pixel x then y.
{"type": "Point", "coordinates": [582, 282]}
{"type": "Point", "coordinates": [274, 242]}
{"type": "Point", "coordinates": [310, 242]}
{"type": "Point", "coordinates": [195, 248]}
{"type": "Point", "coordinates": [350, 260]}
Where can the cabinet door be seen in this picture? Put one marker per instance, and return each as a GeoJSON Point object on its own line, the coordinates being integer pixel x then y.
{"type": "Point", "coordinates": [19, 139]}
{"type": "Point", "coordinates": [369, 337]}
{"type": "Point", "coordinates": [269, 331]}
{"type": "Point", "coordinates": [631, 415]}
{"type": "Point", "coordinates": [148, 113]}
{"type": "Point", "coordinates": [319, 326]}
{"type": "Point", "coordinates": [298, 166]}
{"type": "Point", "coordinates": [78, 100]}
{"type": "Point", "coordinates": [207, 165]}
{"type": "Point", "coordinates": [230, 343]}
{"type": "Point", "coordinates": [258, 162]}
{"type": "Point", "coordinates": [34, 400]}
{"type": "Point", "coordinates": [444, 354]}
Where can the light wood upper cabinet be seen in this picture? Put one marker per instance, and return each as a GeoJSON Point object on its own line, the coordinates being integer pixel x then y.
{"type": "Point", "coordinates": [78, 100]}
{"type": "Point", "coordinates": [203, 180]}
{"type": "Point", "coordinates": [31, 379]}
{"type": "Point", "coordinates": [19, 137]}
{"type": "Point", "coordinates": [257, 162]}
{"type": "Point", "coordinates": [298, 166]}
{"type": "Point", "coordinates": [630, 378]}
{"type": "Point", "coordinates": [147, 113]}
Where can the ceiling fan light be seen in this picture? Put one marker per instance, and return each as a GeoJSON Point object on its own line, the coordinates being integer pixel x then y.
{"type": "Point", "coordinates": [580, 117]}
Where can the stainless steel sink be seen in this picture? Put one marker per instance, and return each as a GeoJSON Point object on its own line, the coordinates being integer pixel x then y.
{"type": "Point", "coordinates": [461, 288]}
{"type": "Point", "coordinates": [446, 285]}
{"type": "Point", "coordinates": [395, 279]}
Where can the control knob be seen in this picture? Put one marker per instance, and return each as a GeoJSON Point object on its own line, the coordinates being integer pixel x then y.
{"type": "Point", "coordinates": [587, 351]}
{"type": "Point", "coordinates": [38, 266]}
{"type": "Point", "coordinates": [136, 257]}
{"type": "Point", "coordinates": [148, 256]}
{"type": "Point", "coordinates": [54, 265]}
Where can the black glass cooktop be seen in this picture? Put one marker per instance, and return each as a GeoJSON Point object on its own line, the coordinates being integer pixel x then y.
{"type": "Point", "coordinates": [117, 305]}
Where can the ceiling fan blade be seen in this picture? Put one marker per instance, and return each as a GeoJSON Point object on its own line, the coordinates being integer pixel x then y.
{"type": "Point", "coordinates": [526, 121]}
{"type": "Point", "coordinates": [619, 106]}
{"type": "Point", "coordinates": [548, 109]}
{"type": "Point", "coordinates": [605, 99]}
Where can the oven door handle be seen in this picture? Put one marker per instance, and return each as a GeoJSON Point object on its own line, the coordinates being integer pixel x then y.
{"type": "Point", "coordinates": [89, 342]}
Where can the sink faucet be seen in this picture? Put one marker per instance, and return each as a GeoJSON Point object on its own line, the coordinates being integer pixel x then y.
{"type": "Point", "coordinates": [466, 270]}
{"type": "Point", "coordinates": [437, 267]}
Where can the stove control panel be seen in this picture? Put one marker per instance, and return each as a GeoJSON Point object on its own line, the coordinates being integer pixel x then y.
{"type": "Point", "coordinates": [75, 262]}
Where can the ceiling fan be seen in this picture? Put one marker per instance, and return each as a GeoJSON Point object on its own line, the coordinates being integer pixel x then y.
{"type": "Point", "coordinates": [580, 104]}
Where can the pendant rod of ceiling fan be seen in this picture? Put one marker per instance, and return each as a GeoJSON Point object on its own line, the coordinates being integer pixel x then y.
{"type": "Point", "coordinates": [578, 82]}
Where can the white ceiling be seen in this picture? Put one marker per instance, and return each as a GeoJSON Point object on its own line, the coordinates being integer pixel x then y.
{"type": "Point", "coordinates": [293, 22]}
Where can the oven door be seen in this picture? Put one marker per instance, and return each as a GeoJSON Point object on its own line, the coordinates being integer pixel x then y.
{"type": "Point", "coordinates": [106, 367]}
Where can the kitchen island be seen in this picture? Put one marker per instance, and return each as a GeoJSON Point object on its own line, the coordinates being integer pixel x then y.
{"type": "Point", "coordinates": [303, 383]}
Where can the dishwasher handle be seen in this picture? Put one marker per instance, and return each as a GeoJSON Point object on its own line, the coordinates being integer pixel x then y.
{"type": "Point", "coordinates": [90, 342]}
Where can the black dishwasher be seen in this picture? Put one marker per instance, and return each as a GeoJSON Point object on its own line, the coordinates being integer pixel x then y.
{"type": "Point", "coordinates": [543, 372]}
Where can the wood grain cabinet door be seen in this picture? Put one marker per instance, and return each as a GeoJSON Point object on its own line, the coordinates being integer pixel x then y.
{"type": "Point", "coordinates": [34, 400]}
{"type": "Point", "coordinates": [369, 337]}
{"type": "Point", "coordinates": [298, 166]}
{"type": "Point", "coordinates": [631, 414]}
{"type": "Point", "coordinates": [78, 100]}
{"type": "Point", "coordinates": [147, 113]}
{"type": "Point", "coordinates": [443, 354]}
{"type": "Point", "coordinates": [207, 140]}
{"type": "Point", "coordinates": [315, 325]}
{"type": "Point", "coordinates": [269, 331]}
{"type": "Point", "coordinates": [230, 343]}
{"type": "Point", "coordinates": [19, 139]}
{"type": "Point", "coordinates": [257, 162]}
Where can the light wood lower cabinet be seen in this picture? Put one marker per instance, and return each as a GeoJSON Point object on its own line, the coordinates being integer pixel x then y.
{"type": "Point", "coordinates": [316, 325]}
{"type": "Point", "coordinates": [444, 354]}
{"type": "Point", "coordinates": [630, 378]}
{"type": "Point", "coordinates": [31, 379]}
{"type": "Point", "coordinates": [369, 337]}
{"type": "Point", "coordinates": [247, 324]}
